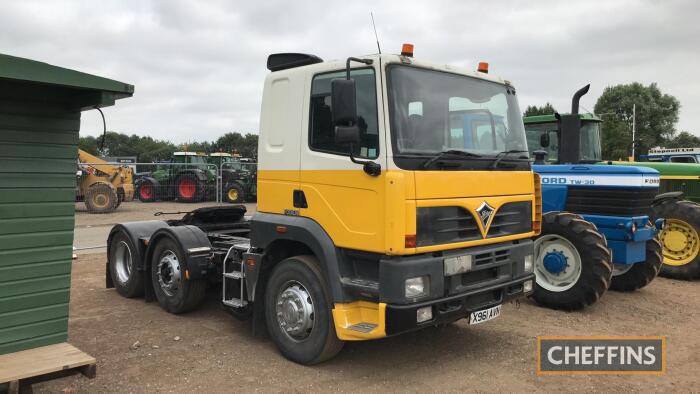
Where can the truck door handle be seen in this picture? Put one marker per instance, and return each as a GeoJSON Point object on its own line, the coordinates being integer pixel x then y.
{"type": "Point", "coordinates": [299, 199]}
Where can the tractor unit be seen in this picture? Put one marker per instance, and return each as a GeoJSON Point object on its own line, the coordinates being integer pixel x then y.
{"type": "Point", "coordinates": [679, 187]}
{"type": "Point", "coordinates": [596, 230]}
{"type": "Point", "coordinates": [187, 177]}
{"type": "Point", "coordinates": [364, 227]}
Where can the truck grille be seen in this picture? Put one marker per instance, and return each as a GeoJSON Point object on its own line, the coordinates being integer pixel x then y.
{"type": "Point", "coordinates": [442, 225]}
{"type": "Point", "coordinates": [614, 201]}
{"type": "Point", "coordinates": [511, 218]}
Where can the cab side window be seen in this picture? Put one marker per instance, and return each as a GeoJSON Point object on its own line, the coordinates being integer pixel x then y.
{"type": "Point", "coordinates": [321, 130]}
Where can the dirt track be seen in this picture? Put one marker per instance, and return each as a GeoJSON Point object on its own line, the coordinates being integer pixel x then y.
{"type": "Point", "coordinates": [216, 353]}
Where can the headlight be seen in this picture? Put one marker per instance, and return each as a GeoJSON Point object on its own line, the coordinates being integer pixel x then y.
{"type": "Point", "coordinates": [527, 286]}
{"type": "Point", "coordinates": [416, 287]}
{"type": "Point", "coordinates": [457, 265]}
{"type": "Point", "coordinates": [528, 263]}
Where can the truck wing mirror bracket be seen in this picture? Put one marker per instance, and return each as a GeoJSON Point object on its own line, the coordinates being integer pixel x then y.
{"type": "Point", "coordinates": [344, 112]}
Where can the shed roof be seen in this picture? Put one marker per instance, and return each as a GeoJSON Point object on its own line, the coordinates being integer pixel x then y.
{"type": "Point", "coordinates": [25, 70]}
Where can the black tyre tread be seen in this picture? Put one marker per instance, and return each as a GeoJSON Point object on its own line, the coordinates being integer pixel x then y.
{"type": "Point", "coordinates": [688, 212]}
{"type": "Point", "coordinates": [101, 188]}
{"type": "Point", "coordinates": [134, 286]}
{"type": "Point", "coordinates": [596, 268]}
{"type": "Point", "coordinates": [332, 345]}
{"type": "Point", "coordinates": [641, 274]}
{"type": "Point", "coordinates": [194, 291]}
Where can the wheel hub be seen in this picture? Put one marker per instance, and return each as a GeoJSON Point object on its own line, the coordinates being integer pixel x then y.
{"type": "Point", "coordinates": [681, 243]}
{"type": "Point", "coordinates": [295, 311]}
{"type": "Point", "coordinates": [123, 263]}
{"type": "Point", "coordinates": [169, 276]}
{"type": "Point", "coordinates": [555, 262]}
{"type": "Point", "coordinates": [233, 195]}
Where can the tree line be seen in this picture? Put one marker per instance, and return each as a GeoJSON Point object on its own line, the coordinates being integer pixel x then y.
{"type": "Point", "coordinates": [149, 150]}
{"type": "Point", "coordinates": [656, 116]}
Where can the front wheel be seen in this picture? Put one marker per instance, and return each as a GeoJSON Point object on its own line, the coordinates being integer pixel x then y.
{"type": "Point", "coordinates": [233, 193]}
{"type": "Point", "coordinates": [679, 238]}
{"type": "Point", "coordinates": [298, 312]}
{"type": "Point", "coordinates": [189, 189]}
{"type": "Point", "coordinates": [101, 198]}
{"type": "Point", "coordinates": [630, 277]}
{"type": "Point", "coordinates": [175, 293]}
{"type": "Point", "coordinates": [572, 262]}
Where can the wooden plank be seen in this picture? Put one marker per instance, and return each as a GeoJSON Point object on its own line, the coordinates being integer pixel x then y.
{"type": "Point", "coordinates": [41, 361]}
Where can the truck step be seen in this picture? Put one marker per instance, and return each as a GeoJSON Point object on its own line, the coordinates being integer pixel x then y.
{"type": "Point", "coordinates": [234, 275]}
{"type": "Point", "coordinates": [362, 285]}
{"type": "Point", "coordinates": [363, 327]}
{"type": "Point", "coordinates": [235, 303]}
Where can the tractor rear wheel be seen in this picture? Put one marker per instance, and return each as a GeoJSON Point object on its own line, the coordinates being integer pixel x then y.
{"type": "Point", "coordinates": [679, 238]}
{"type": "Point", "coordinates": [189, 188]}
{"type": "Point", "coordinates": [630, 277]}
{"type": "Point", "coordinates": [146, 192]}
{"type": "Point", "coordinates": [100, 198]}
{"type": "Point", "coordinates": [572, 262]}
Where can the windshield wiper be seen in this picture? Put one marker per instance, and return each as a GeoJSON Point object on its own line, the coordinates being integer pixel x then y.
{"type": "Point", "coordinates": [448, 152]}
{"type": "Point", "coordinates": [502, 155]}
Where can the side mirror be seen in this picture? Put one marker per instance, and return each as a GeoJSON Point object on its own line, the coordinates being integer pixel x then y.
{"type": "Point", "coordinates": [544, 139]}
{"type": "Point", "coordinates": [343, 103]}
{"type": "Point", "coordinates": [347, 135]}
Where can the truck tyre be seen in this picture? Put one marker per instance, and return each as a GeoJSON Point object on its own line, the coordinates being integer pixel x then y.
{"type": "Point", "coordinates": [146, 192]}
{"type": "Point", "coordinates": [189, 188]}
{"type": "Point", "coordinates": [101, 198]}
{"type": "Point", "coordinates": [630, 277]}
{"type": "Point", "coordinates": [175, 293]}
{"type": "Point", "coordinates": [572, 262]}
{"type": "Point", "coordinates": [233, 193]}
{"type": "Point", "coordinates": [679, 238]}
{"type": "Point", "coordinates": [123, 257]}
{"type": "Point", "coordinates": [298, 312]}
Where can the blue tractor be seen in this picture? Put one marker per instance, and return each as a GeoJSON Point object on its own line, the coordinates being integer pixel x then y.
{"type": "Point", "coordinates": [596, 231]}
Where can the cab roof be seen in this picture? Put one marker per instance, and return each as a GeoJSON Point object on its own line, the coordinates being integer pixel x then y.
{"type": "Point", "coordinates": [551, 118]}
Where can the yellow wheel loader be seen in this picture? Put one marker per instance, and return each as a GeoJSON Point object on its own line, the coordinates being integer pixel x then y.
{"type": "Point", "coordinates": [103, 186]}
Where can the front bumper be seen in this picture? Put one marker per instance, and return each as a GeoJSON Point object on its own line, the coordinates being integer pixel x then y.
{"type": "Point", "coordinates": [402, 318]}
{"type": "Point", "coordinates": [627, 246]}
{"type": "Point", "coordinates": [497, 275]}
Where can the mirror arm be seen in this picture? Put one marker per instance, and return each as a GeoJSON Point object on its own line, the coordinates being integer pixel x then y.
{"type": "Point", "coordinates": [369, 167]}
{"type": "Point", "coordinates": [354, 59]}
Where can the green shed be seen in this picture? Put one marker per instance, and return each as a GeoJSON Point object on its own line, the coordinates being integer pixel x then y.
{"type": "Point", "coordinates": [40, 107]}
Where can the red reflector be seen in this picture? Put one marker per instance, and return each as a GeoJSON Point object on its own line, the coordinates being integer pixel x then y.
{"type": "Point", "coordinates": [410, 241]}
{"type": "Point", "coordinates": [281, 229]}
{"type": "Point", "coordinates": [250, 262]}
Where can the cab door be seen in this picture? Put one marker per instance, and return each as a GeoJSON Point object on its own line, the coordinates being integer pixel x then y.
{"type": "Point", "coordinates": [338, 194]}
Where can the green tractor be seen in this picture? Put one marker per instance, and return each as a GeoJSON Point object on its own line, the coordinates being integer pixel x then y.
{"type": "Point", "coordinates": [187, 177]}
{"type": "Point", "coordinates": [238, 177]}
{"type": "Point", "coordinates": [680, 188]}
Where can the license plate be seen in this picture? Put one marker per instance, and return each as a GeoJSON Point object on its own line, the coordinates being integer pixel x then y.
{"type": "Point", "coordinates": [485, 315]}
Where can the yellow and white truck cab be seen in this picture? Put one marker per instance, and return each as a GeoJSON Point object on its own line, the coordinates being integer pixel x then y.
{"type": "Point", "coordinates": [382, 208]}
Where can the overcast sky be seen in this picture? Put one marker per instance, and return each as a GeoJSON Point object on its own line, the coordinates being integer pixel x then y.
{"type": "Point", "coordinates": [198, 66]}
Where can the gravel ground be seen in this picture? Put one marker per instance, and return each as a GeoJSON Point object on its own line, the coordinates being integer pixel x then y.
{"type": "Point", "coordinates": [211, 351]}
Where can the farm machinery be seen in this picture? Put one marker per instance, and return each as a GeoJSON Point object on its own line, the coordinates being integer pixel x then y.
{"type": "Point", "coordinates": [596, 230]}
{"type": "Point", "coordinates": [187, 177]}
{"type": "Point", "coordinates": [679, 187]}
{"type": "Point", "coordinates": [103, 186]}
{"type": "Point", "coordinates": [238, 177]}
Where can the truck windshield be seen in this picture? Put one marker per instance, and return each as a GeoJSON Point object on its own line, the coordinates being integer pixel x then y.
{"type": "Point", "coordinates": [590, 140]}
{"type": "Point", "coordinates": [434, 111]}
